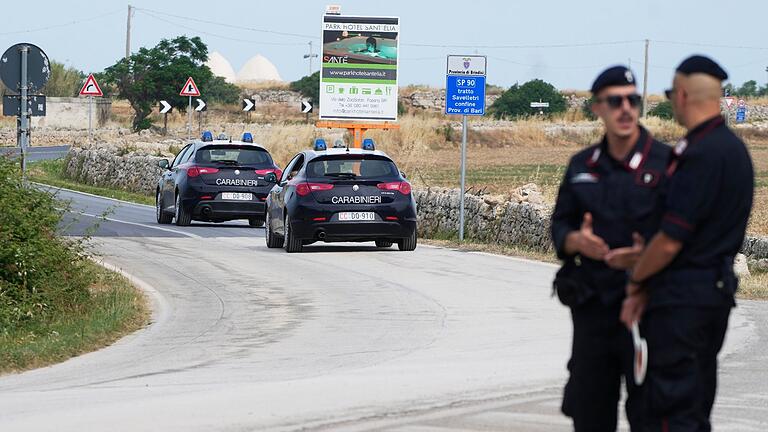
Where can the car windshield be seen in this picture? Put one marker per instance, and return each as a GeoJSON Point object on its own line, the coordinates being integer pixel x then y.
{"type": "Point", "coordinates": [357, 167]}
{"type": "Point", "coordinates": [233, 155]}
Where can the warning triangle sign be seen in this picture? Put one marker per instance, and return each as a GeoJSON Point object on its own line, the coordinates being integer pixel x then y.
{"type": "Point", "coordinates": [91, 87]}
{"type": "Point", "coordinates": [190, 88]}
{"type": "Point", "coordinates": [728, 101]}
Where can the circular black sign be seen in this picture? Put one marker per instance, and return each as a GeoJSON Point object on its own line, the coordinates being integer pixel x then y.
{"type": "Point", "coordinates": [38, 68]}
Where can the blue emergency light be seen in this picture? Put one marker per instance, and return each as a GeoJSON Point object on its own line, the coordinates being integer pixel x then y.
{"type": "Point", "coordinates": [368, 144]}
{"type": "Point", "coordinates": [247, 137]}
{"type": "Point", "coordinates": [320, 145]}
{"type": "Point", "coordinates": [207, 136]}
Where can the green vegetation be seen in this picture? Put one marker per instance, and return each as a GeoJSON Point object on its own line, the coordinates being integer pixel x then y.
{"type": "Point", "coordinates": [663, 110]}
{"type": "Point", "coordinates": [51, 173]}
{"type": "Point", "coordinates": [309, 87]}
{"type": "Point", "coordinates": [516, 102]}
{"type": "Point", "coordinates": [64, 81]}
{"type": "Point", "coordinates": [53, 301]}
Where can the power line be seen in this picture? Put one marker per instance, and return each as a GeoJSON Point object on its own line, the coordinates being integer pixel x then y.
{"type": "Point", "coordinates": [706, 45]}
{"type": "Point", "coordinates": [563, 45]}
{"type": "Point", "coordinates": [55, 26]}
{"type": "Point", "coordinates": [195, 29]}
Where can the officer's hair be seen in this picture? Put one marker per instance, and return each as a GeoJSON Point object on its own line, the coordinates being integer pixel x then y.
{"type": "Point", "coordinates": [701, 88]}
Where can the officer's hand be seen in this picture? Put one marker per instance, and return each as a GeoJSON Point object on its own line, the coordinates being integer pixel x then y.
{"type": "Point", "coordinates": [633, 307]}
{"type": "Point", "coordinates": [589, 244]}
{"type": "Point", "coordinates": [626, 257]}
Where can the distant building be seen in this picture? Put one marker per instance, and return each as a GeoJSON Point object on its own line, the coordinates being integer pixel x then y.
{"type": "Point", "coordinates": [220, 66]}
{"type": "Point", "coordinates": [258, 68]}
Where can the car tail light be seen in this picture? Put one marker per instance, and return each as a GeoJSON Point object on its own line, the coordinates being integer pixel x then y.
{"type": "Point", "coordinates": [278, 172]}
{"type": "Point", "coordinates": [403, 187]}
{"type": "Point", "coordinates": [206, 197]}
{"type": "Point", "coordinates": [303, 189]}
{"type": "Point", "coordinates": [391, 218]}
{"type": "Point", "coordinates": [319, 219]}
{"type": "Point", "coordinates": [195, 171]}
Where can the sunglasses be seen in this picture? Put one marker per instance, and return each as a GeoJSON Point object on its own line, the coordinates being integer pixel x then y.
{"type": "Point", "coordinates": [616, 101]}
{"type": "Point", "coordinates": [669, 92]}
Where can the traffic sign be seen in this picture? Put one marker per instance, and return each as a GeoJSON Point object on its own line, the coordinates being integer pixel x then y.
{"type": "Point", "coordinates": [190, 88]}
{"type": "Point", "coordinates": [201, 106]}
{"type": "Point", "coordinates": [38, 68]}
{"type": "Point", "coordinates": [248, 105]}
{"type": "Point", "coordinates": [35, 105]}
{"type": "Point", "coordinates": [742, 103]}
{"type": "Point", "coordinates": [165, 107]}
{"type": "Point", "coordinates": [306, 107]}
{"type": "Point", "coordinates": [91, 87]}
{"type": "Point", "coordinates": [465, 95]}
{"type": "Point", "coordinates": [741, 114]}
{"type": "Point", "coordinates": [728, 101]}
{"type": "Point", "coordinates": [539, 104]}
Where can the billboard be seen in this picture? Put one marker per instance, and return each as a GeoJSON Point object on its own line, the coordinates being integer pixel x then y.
{"type": "Point", "coordinates": [358, 73]}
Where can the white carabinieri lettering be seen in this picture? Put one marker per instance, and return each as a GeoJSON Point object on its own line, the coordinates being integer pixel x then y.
{"type": "Point", "coordinates": [357, 199]}
{"type": "Point", "coordinates": [236, 182]}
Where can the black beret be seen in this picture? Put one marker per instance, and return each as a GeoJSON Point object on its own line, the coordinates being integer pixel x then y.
{"type": "Point", "coordinates": [613, 76]}
{"type": "Point", "coordinates": [701, 64]}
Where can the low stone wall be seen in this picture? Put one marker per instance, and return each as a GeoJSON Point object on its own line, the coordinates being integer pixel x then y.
{"type": "Point", "coordinates": [523, 220]}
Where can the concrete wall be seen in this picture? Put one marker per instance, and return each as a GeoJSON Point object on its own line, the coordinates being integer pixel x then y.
{"type": "Point", "coordinates": [72, 113]}
{"type": "Point", "coordinates": [521, 221]}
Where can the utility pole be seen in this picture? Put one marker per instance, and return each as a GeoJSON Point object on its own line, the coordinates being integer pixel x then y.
{"type": "Point", "coordinates": [645, 80]}
{"type": "Point", "coordinates": [310, 56]}
{"type": "Point", "coordinates": [128, 33]}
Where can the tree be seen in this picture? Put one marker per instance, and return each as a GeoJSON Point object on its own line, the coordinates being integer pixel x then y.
{"type": "Point", "coordinates": [218, 90]}
{"type": "Point", "coordinates": [154, 74]}
{"type": "Point", "coordinates": [516, 102]}
{"type": "Point", "coordinates": [662, 110]}
{"type": "Point", "coordinates": [749, 88]}
{"type": "Point", "coordinates": [64, 81]}
{"type": "Point", "coordinates": [309, 87]}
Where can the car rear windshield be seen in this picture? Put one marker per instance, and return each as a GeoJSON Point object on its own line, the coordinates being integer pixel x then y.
{"type": "Point", "coordinates": [234, 155]}
{"type": "Point", "coordinates": [352, 166]}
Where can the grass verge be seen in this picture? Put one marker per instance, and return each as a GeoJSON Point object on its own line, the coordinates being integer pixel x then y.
{"type": "Point", "coordinates": [50, 172]}
{"type": "Point", "coordinates": [114, 309]}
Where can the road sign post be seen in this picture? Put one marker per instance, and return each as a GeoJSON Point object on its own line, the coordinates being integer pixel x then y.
{"type": "Point", "coordinates": [190, 89]}
{"type": "Point", "coordinates": [24, 135]}
{"type": "Point", "coordinates": [464, 95]}
{"type": "Point", "coordinates": [90, 89]}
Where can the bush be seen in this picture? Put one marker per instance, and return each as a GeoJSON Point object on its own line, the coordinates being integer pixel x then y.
{"type": "Point", "coordinates": [309, 87]}
{"type": "Point", "coordinates": [40, 272]}
{"type": "Point", "coordinates": [516, 102]}
{"type": "Point", "coordinates": [663, 110]}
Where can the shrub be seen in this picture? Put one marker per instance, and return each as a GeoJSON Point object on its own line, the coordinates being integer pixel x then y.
{"type": "Point", "coordinates": [40, 271]}
{"type": "Point", "coordinates": [516, 102]}
{"type": "Point", "coordinates": [663, 110]}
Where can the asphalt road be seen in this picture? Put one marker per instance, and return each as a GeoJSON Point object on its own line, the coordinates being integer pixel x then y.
{"type": "Point", "coordinates": [37, 153]}
{"type": "Point", "coordinates": [339, 338]}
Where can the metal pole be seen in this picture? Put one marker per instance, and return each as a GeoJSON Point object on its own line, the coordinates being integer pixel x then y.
{"type": "Point", "coordinates": [645, 80]}
{"type": "Point", "coordinates": [90, 115]}
{"type": "Point", "coordinates": [463, 175]}
{"type": "Point", "coordinates": [24, 141]}
{"type": "Point", "coordinates": [189, 120]}
{"type": "Point", "coordinates": [310, 58]}
{"type": "Point", "coordinates": [128, 34]}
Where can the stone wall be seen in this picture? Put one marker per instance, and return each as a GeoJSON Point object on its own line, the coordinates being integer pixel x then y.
{"type": "Point", "coordinates": [522, 220]}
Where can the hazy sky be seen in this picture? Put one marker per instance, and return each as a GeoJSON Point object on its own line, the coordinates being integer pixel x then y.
{"type": "Point", "coordinates": [597, 34]}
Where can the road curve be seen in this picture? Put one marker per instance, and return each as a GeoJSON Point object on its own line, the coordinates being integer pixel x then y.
{"type": "Point", "coordinates": [247, 338]}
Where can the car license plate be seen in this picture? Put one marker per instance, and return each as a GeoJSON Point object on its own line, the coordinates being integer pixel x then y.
{"type": "Point", "coordinates": [356, 216]}
{"type": "Point", "coordinates": [237, 196]}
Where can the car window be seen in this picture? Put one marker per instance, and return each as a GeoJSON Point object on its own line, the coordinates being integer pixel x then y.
{"type": "Point", "coordinates": [296, 167]}
{"type": "Point", "coordinates": [180, 156]}
{"type": "Point", "coordinates": [234, 155]}
{"type": "Point", "coordinates": [288, 168]}
{"type": "Point", "coordinates": [353, 166]}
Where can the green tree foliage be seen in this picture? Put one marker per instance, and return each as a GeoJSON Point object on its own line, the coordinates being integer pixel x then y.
{"type": "Point", "coordinates": [64, 81]}
{"type": "Point", "coordinates": [586, 108]}
{"type": "Point", "coordinates": [154, 74]}
{"type": "Point", "coordinates": [748, 89]}
{"type": "Point", "coordinates": [218, 90]}
{"type": "Point", "coordinates": [662, 110]}
{"type": "Point", "coordinates": [40, 272]}
{"type": "Point", "coordinates": [309, 87]}
{"type": "Point", "coordinates": [516, 101]}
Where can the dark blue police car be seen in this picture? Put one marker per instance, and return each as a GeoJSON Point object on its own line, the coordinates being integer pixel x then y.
{"type": "Point", "coordinates": [215, 181]}
{"type": "Point", "coordinates": [340, 195]}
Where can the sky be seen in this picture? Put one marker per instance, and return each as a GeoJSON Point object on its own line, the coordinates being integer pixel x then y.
{"type": "Point", "coordinates": [566, 42]}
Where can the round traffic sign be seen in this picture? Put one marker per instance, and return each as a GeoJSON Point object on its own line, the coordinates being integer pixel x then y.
{"type": "Point", "coordinates": [38, 68]}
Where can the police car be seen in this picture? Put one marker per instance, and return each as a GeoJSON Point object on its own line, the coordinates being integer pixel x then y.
{"type": "Point", "coordinates": [215, 181]}
{"type": "Point", "coordinates": [340, 195]}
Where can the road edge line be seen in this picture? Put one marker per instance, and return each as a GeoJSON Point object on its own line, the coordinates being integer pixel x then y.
{"type": "Point", "coordinates": [91, 195]}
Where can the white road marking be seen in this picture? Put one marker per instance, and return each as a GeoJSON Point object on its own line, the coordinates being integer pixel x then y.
{"type": "Point", "coordinates": [139, 224]}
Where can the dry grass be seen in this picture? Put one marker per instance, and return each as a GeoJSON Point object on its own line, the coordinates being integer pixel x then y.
{"type": "Point", "coordinates": [754, 286]}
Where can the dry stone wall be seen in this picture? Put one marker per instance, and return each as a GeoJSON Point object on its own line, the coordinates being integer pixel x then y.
{"type": "Point", "coordinates": [521, 220]}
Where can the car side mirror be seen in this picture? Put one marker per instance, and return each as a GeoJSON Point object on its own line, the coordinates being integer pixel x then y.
{"type": "Point", "coordinates": [403, 174]}
{"type": "Point", "coordinates": [163, 163]}
{"type": "Point", "coordinates": [270, 178]}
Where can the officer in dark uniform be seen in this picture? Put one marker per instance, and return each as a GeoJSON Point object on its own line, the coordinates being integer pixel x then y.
{"type": "Point", "coordinates": [608, 202]}
{"type": "Point", "coordinates": [683, 284]}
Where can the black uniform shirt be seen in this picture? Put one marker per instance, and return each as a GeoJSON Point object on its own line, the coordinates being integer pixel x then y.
{"type": "Point", "coordinates": [622, 196]}
{"type": "Point", "coordinates": [711, 184]}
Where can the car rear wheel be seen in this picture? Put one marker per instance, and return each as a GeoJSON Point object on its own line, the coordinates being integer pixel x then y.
{"type": "Point", "coordinates": [256, 222]}
{"type": "Point", "coordinates": [384, 243]}
{"type": "Point", "coordinates": [162, 216]}
{"type": "Point", "coordinates": [291, 243]}
{"type": "Point", "coordinates": [408, 243]}
{"type": "Point", "coordinates": [273, 240]}
{"type": "Point", "coordinates": [183, 218]}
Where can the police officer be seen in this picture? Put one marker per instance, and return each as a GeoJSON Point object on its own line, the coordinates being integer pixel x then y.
{"type": "Point", "coordinates": [684, 281]}
{"type": "Point", "coordinates": [607, 204]}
